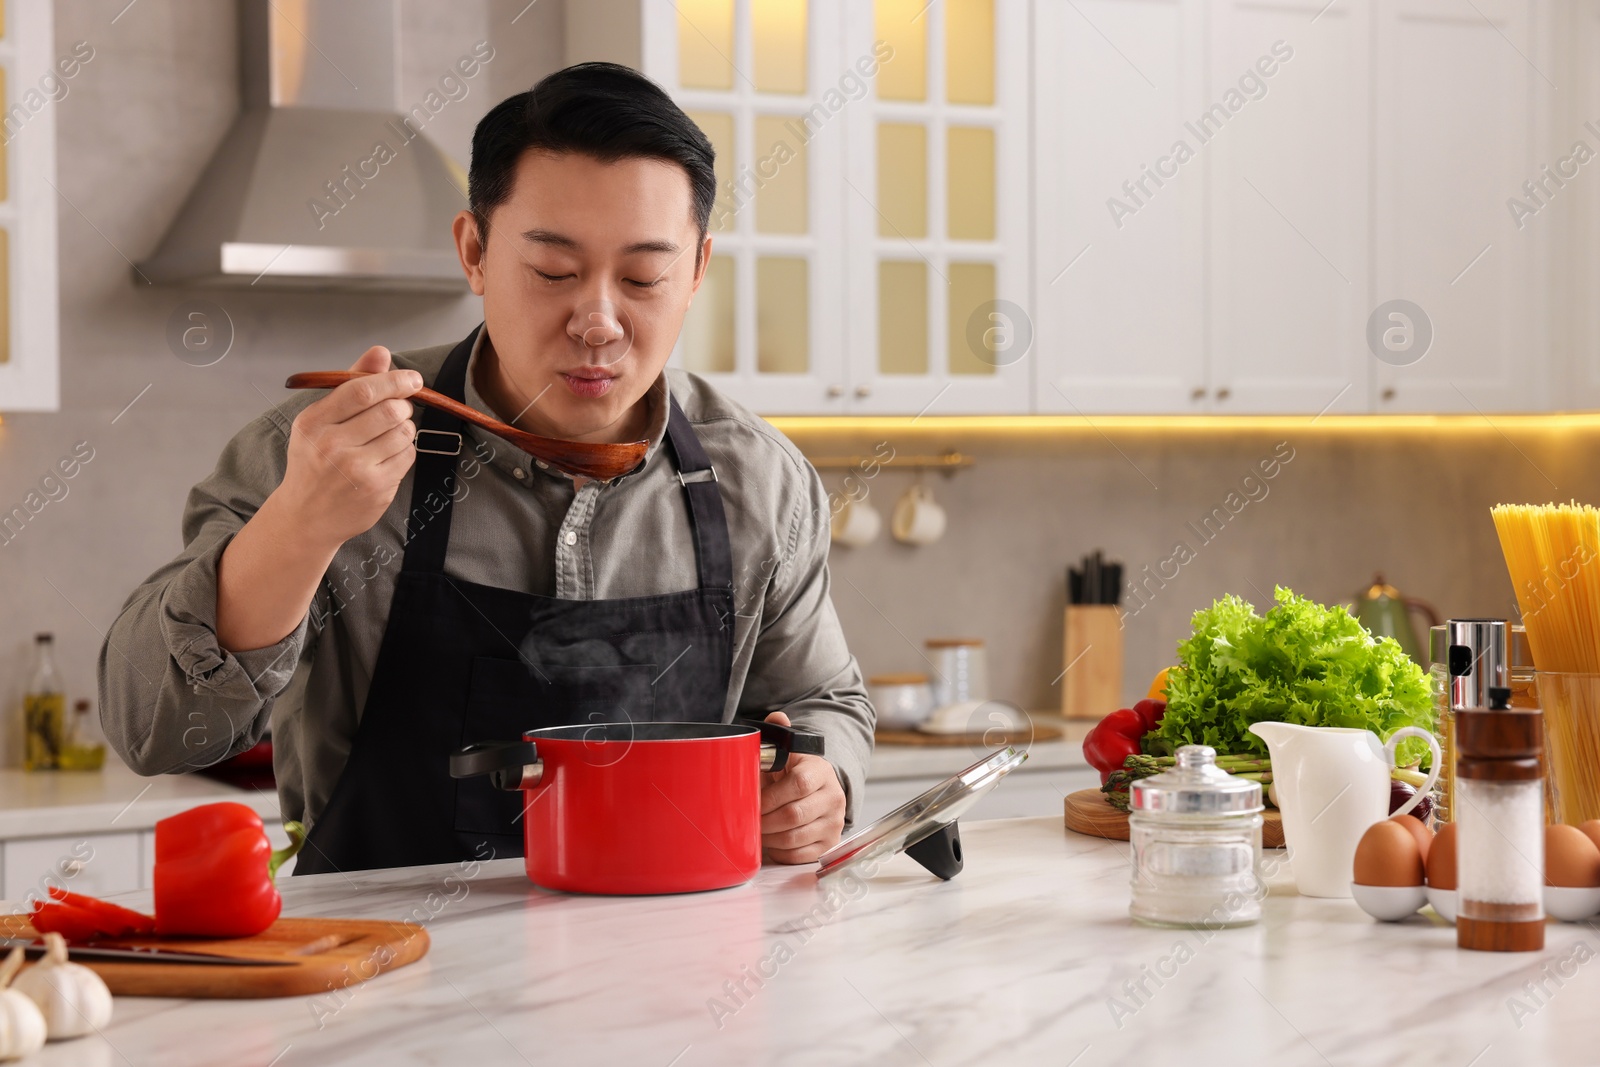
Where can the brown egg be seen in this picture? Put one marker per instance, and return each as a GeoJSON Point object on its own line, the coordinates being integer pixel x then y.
{"type": "Point", "coordinates": [1388, 855]}
{"type": "Point", "coordinates": [1442, 859]}
{"type": "Point", "coordinates": [1570, 858]}
{"type": "Point", "coordinates": [1592, 830]}
{"type": "Point", "coordinates": [1423, 835]}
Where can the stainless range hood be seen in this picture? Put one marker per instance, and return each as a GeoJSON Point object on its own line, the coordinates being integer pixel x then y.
{"type": "Point", "coordinates": [322, 182]}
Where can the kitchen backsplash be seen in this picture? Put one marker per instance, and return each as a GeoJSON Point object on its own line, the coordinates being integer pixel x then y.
{"type": "Point", "coordinates": [1192, 515]}
{"type": "Point", "coordinates": [141, 425]}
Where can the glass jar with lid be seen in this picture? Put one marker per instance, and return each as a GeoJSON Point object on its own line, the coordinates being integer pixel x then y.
{"type": "Point", "coordinates": [1196, 835]}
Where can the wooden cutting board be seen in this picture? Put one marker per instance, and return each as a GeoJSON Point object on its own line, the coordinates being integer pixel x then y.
{"type": "Point", "coordinates": [1089, 812]}
{"type": "Point", "coordinates": [989, 739]}
{"type": "Point", "coordinates": [322, 956]}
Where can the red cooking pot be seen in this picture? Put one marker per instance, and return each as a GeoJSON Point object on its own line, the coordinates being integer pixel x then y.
{"type": "Point", "coordinates": [659, 807]}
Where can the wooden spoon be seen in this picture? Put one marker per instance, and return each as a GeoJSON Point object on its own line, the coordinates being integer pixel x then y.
{"type": "Point", "coordinates": [589, 459]}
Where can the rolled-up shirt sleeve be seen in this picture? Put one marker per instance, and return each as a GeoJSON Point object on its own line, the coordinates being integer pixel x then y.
{"type": "Point", "coordinates": [801, 664]}
{"type": "Point", "coordinates": [172, 699]}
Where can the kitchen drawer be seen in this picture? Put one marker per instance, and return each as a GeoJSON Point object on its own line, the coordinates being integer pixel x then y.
{"type": "Point", "coordinates": [96, 864]}
{"type": "Point", "coordinates": [147, 862]}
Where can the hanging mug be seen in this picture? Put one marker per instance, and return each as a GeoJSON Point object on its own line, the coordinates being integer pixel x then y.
{"type": "Point", "coordinates": [917, 520]}
{"type": "Point", "coordinates": [856, 523]}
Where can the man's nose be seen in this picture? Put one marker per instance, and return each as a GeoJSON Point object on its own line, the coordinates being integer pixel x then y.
{"type": "Point", "coordinates": [597, 322]}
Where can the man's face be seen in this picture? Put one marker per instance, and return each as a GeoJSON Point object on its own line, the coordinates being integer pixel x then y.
{"type": "Point", "coordinates": [586, 275]}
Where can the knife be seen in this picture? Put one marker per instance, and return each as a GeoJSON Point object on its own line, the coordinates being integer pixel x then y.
{"type": "Point", "coordinates": [150, 955]}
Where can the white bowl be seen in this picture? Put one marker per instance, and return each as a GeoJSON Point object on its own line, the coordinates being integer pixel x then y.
{"type": "Point", "coordinates": [903, 702]}
{"type": "Point", "coordinates": [1571, 905]}
{"type": "Point", "coordinates": [976, 717]}
{"type": "Point", "coordinates": [1444, 902]}
{"type": "Point", "coordinates": [1389, 903]}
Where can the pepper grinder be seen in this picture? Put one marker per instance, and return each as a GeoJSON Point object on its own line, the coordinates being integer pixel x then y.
{"type": "Point", "coordinates": [1499, 826]}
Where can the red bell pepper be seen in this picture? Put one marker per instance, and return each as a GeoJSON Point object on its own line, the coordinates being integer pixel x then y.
{"type": "Point", "coordinates": [214, 871]}
{"type": "Point", "coordinates": [1114, 739]}
{"type": "Point", "coordinates": [1151, 710]}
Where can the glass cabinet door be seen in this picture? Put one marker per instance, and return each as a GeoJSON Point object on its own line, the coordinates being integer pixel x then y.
{"type": "Point", "coordinates": [29, 378]}
{"type": "Point", "coordinates": [936, 188]}
{"type": "Point", "coordinates": [870, 244]}
{"type": "Point", "coordinates": [760, 78]}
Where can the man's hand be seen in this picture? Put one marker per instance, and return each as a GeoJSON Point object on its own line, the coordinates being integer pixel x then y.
{"type": "Point", "coordinates": [802, 807]}
{"type": "Point", "coordinates": [349, 451]}
{"type": "Point", "coordinates": [347, 454]}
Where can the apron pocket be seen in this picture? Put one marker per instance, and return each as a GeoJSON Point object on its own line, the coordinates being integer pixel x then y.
{"type": "Point", "coordinates": [506, 698]}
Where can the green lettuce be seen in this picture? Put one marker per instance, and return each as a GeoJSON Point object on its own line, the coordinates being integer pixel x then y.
{"type": "Point", "coordinates": [1300, 663]}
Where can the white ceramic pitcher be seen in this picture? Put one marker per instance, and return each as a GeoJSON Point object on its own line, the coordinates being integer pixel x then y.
{"type": "Point", "coordinates": [1331, 784]}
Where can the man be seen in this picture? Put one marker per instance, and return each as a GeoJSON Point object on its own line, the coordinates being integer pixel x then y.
{"type": "Point", "coordinates": [380, 593]}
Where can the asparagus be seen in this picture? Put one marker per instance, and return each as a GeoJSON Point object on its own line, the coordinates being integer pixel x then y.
{"type": "Point", "coordinates": [1145, 765]}
{"type": "Point", "coordinates": [1252, 768]}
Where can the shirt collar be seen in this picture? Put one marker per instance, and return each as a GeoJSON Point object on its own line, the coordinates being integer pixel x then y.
{"type": "Point", "coordinates": [518, 464]}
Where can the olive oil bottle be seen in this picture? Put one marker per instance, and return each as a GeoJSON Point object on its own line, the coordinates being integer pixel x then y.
{"type": "Point", "coordinates": [44, 709]}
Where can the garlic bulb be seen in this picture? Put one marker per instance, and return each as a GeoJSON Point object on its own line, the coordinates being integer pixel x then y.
{"type": "Point", "coordinates": [73, 999]}
{"type": "Point", "coordinates": [22, 1028]}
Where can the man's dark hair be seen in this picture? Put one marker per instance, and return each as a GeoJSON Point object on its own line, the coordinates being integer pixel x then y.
{"type": "Point", "coordinates": [603, 110]}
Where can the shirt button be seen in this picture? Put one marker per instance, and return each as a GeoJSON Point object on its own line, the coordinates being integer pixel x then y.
{"type": "Point", "coordinates": [571, 538]}
{"type": "Point", "coordinates": [542, 464]}
{"type": "Point", "coordinates": [517, 473]}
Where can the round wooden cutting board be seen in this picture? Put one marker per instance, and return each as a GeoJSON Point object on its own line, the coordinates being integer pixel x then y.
{"type": "Point", "coordinates": [1090, 813]}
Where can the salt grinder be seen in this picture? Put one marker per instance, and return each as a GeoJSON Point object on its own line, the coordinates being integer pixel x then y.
{"type": "Point", "coordinates": [1500, 826]}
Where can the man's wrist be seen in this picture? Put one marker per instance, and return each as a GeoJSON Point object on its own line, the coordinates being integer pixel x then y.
{"type": "Point", "coordinates": [288, 520]}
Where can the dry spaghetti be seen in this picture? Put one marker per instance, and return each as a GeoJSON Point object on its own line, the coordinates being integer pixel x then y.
{"type": "Point", "coordinates": [1553, 555]}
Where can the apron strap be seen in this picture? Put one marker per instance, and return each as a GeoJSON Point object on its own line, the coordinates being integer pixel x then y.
{"type": "Point", "coordinates": [440, 437]}
{"type": "Point", "coordinates": [706, 515]}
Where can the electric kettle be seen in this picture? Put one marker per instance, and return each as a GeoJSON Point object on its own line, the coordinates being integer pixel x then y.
{"type": "Point", "coordinates": [1386, 613]}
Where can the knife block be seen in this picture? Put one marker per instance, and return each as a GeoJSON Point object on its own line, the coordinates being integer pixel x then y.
{"type": "Point", "coordinates": [1091, 687]}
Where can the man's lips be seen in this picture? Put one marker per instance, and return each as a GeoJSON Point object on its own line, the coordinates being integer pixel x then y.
{"type": "Point", "coordinates": [588, 382]}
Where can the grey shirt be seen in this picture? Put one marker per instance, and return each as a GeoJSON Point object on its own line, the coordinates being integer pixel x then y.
{"type": "Point", "coordinates": [173, 700]}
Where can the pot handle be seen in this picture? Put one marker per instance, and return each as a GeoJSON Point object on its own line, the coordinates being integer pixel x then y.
{"type": "Point", "coordinates": [779, 742]}
{"type": "Point", "coordinates": [510, 765]}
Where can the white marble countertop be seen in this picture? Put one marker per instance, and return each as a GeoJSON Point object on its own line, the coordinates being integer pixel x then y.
{"type": "Point", "coordinates": [1026, 957]}
{"type": "Point", "coordinates": [113, 799]}
{"type": "Point", "coordinates": [939, 761]}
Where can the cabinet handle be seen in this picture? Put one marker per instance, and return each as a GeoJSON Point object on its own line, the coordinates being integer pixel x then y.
{"type": "Point", "coordinates": [1224, 393]}
{"type": "Point", "coordinates": [1388, 394]}
{"type": "Point", "coordinates": [863, 391]}
{"type": "Point", "coordinates": [835, 392]}
{"type": "Point", "coordinates": [1197, 394]}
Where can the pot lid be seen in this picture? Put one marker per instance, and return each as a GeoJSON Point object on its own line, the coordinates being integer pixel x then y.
{"type": "Point", "coordinates": [922, 816]}
{"type": "Point", "coordinates": [1196, 786]}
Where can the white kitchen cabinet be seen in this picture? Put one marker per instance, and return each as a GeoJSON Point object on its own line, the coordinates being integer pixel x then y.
{"type": "Point", "coordinates": [1288, 207]}
{"type": "Point", "coordinates": [96, 864]}
{"type": "Point", "coordinates": [871, 229]}
{"type": "Point", "coordinates": [1180, 230]}
{"type": "Point", "coordinates": [1120, 269]}
{"type": "Point", "coordinates": [1576, 226]}
{"type": "Point", "coordinates": [1461, 98]}
{"type": "Point", "coordinates": [1375, 163]}
{"type": "Point", "coordinates": [34, 74]}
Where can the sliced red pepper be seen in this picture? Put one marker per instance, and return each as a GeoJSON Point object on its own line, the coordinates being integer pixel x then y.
{"type": "Point", "coordinates": [214, 870]}
{"type": "Point", "coordinates": [116, 920]}
{"type": "Point", "coordinates": [73, 923]}
{"type": "Point", "coordinates": [1113, 740]}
